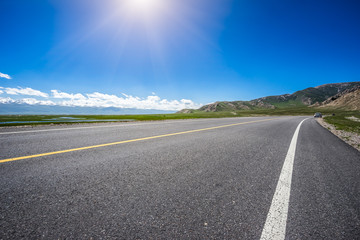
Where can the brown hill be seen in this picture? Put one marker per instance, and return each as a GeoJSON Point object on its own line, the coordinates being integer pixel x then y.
{"type": "Point", "coordinates": [349, 99]}
{"type": "Point", "coordinates": [313, 96]}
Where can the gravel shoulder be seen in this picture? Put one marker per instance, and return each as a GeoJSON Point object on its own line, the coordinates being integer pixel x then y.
{"type": "Point", "coordinates": [350, 138]}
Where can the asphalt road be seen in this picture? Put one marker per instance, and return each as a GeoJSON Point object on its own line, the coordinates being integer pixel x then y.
{"type": "Point", "coordinates": [212, 179]}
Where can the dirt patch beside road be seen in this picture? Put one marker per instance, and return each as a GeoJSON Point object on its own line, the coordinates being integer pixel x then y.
{"type": "Point", "coordinates": [350, 138]}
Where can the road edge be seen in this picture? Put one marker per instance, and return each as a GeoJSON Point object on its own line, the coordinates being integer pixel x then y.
{"type": "Point", "coordinates": [350, 138]}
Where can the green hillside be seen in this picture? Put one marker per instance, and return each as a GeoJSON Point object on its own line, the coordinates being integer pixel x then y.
{"type": "Point", "coordinates": [312, 96]}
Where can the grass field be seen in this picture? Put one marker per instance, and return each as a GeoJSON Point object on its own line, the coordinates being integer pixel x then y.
{"type": "Point", "coordinates": [18, 120]}
{"type": "Point", "coordinates": [345, 121]}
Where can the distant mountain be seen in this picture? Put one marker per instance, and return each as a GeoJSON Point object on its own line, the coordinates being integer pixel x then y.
{"type": "Point", "coordinates": [306, 97]}
{"type": "Point", "coordinates": [15, 108]}
{"type": "Point", "coordinates": [348, 99]}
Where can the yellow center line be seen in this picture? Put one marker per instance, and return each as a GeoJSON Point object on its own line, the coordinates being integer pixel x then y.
{"type": "Point", "coordinates": [126, 141]}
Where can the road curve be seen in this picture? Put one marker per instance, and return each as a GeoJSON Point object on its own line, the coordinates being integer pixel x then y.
{"type": "Point", "coordinates": [206, 178]}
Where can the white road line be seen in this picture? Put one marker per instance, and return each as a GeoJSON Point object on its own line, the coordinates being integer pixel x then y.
{"type": "Point", "coordinates": [110, 126]}
{"type": "Point", "coordinates": [275, 225]}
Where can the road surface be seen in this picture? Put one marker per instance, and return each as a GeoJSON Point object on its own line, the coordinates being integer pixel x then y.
{"type": "Point", "coordinates": [181, 179]}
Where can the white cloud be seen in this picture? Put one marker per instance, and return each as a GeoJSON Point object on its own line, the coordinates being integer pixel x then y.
{"type": "Point", "coordinates": [6, 100]}
{"type": "Point", "coordinates": [33, 101]}
{"type": "Point", "coordinates": [1, 91]}
{"type": "Point", "coordinates": [30, 101]}
{"type": "Point", "coordinates": [3, 75]}
{"type": "Point", "coordinates": [58, 94]}
{"type": "Point", "coordinates": [25, 91]}
{"type": "Point", "coordinates": [97, 99]}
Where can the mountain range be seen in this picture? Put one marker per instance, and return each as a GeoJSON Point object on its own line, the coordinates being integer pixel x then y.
{"type": "Point", "coordinates": [334, 95]}
{"type": "Point", "coordinates": [16, 108]}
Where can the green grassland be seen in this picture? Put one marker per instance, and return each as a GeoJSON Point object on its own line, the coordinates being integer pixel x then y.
{"type": "Point", "coordinates": [341, 121]}
{"type": "Point", "coordinates": [18, 120]}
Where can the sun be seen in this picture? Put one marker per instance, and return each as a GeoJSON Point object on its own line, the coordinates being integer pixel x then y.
{"type": "Point", "coordinates": [145, 7]}
{"type": "Point", "coordinates": [143, 4]}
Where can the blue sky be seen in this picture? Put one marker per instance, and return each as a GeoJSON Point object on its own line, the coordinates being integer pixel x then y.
{"type": "Point", "coordinates": [198, 51]}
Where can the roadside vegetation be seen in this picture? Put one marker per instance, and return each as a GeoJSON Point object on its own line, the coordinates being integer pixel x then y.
{"type": "Point", "coordinates": [346, 121]}
{"type": "Point", "coordinates": [339, 118]}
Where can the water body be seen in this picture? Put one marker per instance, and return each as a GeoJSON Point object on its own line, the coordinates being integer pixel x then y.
{"type": "Point", "coordinates": [65, 118]}
{"type": "Point", "coordinates": [71, 120]}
